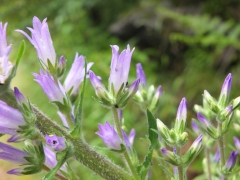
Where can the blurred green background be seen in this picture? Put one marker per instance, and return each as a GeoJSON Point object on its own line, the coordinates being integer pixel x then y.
{"type": "Point", "coordinates": [185, 46]}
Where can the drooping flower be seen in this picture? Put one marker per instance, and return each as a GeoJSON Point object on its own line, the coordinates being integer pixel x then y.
{"type": "Point", "coordinates": [56, 142]}
{"type": "Point", "coordinates": [54, 91]}
{"type": "Point", "coordinates": [109, 136]}
{"type": "Point", "coordinates": [9, 117]}
{"type": "Point", "coordinates": [76, 74]}
{"type": "Point", "coordinates": [120, 66]}
{"type": "Point", "coordinates": [42, 41]}
{"type": "Point", "coordinates": [11, 154]}
{"type": "Point", "coordinates": [5, 65]}
{"type": "Point", "coordinates": [51, 159]}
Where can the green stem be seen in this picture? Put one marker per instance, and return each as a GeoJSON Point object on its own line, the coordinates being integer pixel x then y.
{"type": "Point", "coordinates": [181, 175]}
{"type": "Point", "coordinates": [221, 147]}
{"type": "Point", "coordinates": [209, 172]}
{"type": "Point", "coordinates": [119, 131]}
{"type": "Point", "coordinates": [81, 151]}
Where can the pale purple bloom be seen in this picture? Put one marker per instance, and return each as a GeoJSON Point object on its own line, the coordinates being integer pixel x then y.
{"type": "Point", "coordinates": [63, 118]}
{"type": "Point", "coordinates": [120, 66]}
{"type": "Point", "coordinates": [9, 117]}
{"type": "Point", "coordinates": [19, 97]}
{"type": "Point", "coordinates": [97, 85]}
{"type": "Point", "coordinates": [5, 65]}
{"type": "Point", "coordinates": [16, 171]}
{"type": "Point", "coordinates": [41, 40]}
{"type": "Point", "coordinates": [133, 88]}
{"type": "Point", "coordinates": [109, 136]}
{"type": "Point", "coordinates": [53, 90]}
{"type": "Point", "coordinates": [231, 161]}
{"type": "Point", "coordinates": [56, 142]}
{"type": "Point", "coordinates": [11, 154]}
{"type": "Point", "coordinates": [166, 153]}
{"type": "Point", "coordinates": [226, 87]}
{"type": "Point", "coordinates": [140, 74]}
{"type": "Point", "coordinates": [50, 159]}
{"type": "Point", "coordinates": [158, 93]}
{"type": "Point", "coordinates": [236, 143]}
{"type": "Point", "coordinates": [76, 74]}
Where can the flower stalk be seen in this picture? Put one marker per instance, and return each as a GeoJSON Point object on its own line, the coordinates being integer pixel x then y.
{"type": "Point", "coordinates": [125, 153]}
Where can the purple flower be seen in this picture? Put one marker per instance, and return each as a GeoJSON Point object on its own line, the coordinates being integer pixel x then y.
{"type": "Point", "coordinates": [141, 74]}
{"type": "Point", "coordinates": [54, 91]}
{"type": "Point", "coordinates": [120, 66]}
{"type": "Point", "coordinates": [231, 161]}
{"type": "Point", "coordinates": [56, 142]}
{"type": "Point", "coordinates": [97, 85]}
{"type": "Point", "coordinates": [236, 143]}
{"type": "Point", "coordinates": [203, 120]}
{"type": "Point", "coordinates": [181, 116]}
{"type": "Point", "coordinates": [11, 154]}
{"type": "Point", "coordinates": [51, 160]}
{"type": "Point", "coordinates": [170, 156]}
{"type": "Point", "coordinates": [109, 136]}
{"type": "Point", "coordinates": [131, 136]}
{"type": "Point", "coordinates": [76, 74]}
{"type": "Point", "coordinates": [41, 40]}
{"type": "Point", "coordinates": [226, 88]}
{"type": "Point", "coordinates": [10, 118]}
{"type": "Point", "coordinates": [5, 65]}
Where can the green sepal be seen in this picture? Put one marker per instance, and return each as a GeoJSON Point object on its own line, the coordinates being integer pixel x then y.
{"type": "Point", "coordinates": [210, 130]}
{"type": "Point", "coordinates": [212, 103]}
{"type": "Point", "coordinates": [226, 124]}
{"type": "Point", "coordinates": [36, 158]}
{"type": "Point", "coordinates": [153, 137]}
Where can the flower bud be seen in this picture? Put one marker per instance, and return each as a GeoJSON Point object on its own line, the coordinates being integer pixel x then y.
{"type": "Point", "coordinates": [230, 163]}
{"type": "Point", "coordinates": [225, 92]}
{"type": "Point", "coordinates": [193, 151]}
{"type": "Point", "coordinates": [211, 102]}
{"type": "Point", "coordinates": [170, 157]}
{"type": "Point", "coordinates": [181, 117]}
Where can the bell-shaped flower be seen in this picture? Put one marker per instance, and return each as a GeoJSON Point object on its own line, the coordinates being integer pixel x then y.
{"type": "Point", "coordinates": [10, 120]}
{"type": "Point", "coordinates": [53, 90]}
{"type": "Point", "coordinates": [181, 117]}
{"type": "Point", "coordinates": [109, 136]}
{"type": "Point", "coordinates": [11, 154]}
{"type": "Point", "coordinates": [5, 65]}
{"type": "Point", "coordinates": [56, 142]}
{"type": "Point", "coordinates": [225, 92]}
{"type": "Point", "coordinates": [42, 41]}
{"type": "Point", "coordinates": [120, 66]}
{"type": "Point", "coordinates": [76, 74]}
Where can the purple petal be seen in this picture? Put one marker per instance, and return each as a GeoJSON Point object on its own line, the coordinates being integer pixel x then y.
{"type": "Point", "coordinates": [140, 74]}
{"type": "Point", "coordinates": [56, 142]}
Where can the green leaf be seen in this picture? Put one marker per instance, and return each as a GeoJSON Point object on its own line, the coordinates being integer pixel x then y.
{"type": "Point", "coordinates": [153, 137]}
{"type": "Point", "coordinates": [20, 52]}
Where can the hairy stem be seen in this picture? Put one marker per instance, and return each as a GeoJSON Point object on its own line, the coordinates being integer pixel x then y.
{"type": "Point", "coordinates": [82, 152]}
{"type": "Point", "coordinates": [209, 172]}
{"type": "Point", "coordinates": [119, 131]}
{"type": "Point", "coordinates": [221, 147]}
{"type": "Point", "coordinates": [180, 168]}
